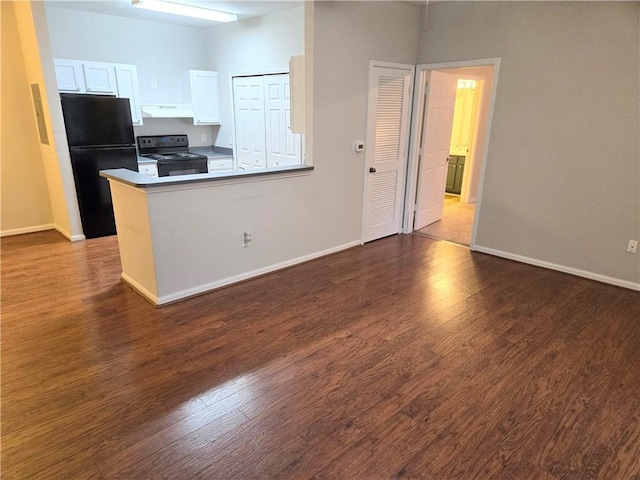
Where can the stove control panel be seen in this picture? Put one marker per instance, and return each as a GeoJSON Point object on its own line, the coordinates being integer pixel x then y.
{"type": "Point", "coordinates": [162, 141]}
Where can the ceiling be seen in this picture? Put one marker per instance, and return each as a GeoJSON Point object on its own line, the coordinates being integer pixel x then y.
{"type": "Point", "coordinates": [123, 8]}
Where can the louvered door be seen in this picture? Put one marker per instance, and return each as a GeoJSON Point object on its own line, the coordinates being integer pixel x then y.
{"type": "Point", "coordinates": [387, 141]}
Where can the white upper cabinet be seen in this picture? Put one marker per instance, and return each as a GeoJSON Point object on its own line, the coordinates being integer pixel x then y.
{"type": "Point", "coordinates": [204, 95]}
{"type": "Point", "coordinates": [69, 75]}
{"type": "Point", "coordinates": [127, 83]}
{"type": "Point", "coordinates": [100, 78]}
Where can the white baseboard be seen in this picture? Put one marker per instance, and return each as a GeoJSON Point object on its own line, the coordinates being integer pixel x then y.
{"type": "Point", "coordinates": [190, 292]}
{"type": "Point", "coordinates": [139, 288]}
{"type": "Point", "coordinates": [68, 236]}
{"type": "Point", "coordinates": [560, 268]}
{"type": "Point", "coordinates": [32, 229]}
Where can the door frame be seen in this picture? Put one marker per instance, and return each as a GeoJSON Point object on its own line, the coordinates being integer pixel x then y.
{"type": "Point", "coordinates": [417, 121]}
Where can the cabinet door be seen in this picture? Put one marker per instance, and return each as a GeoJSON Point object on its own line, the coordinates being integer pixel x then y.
{"type": "Point", "coordinates": [148, 169]}
{"type": "Point", "coordinates": [220, 164]}
{"type": "Point", "coordinates": [283, 146]}
{"type": "Point", "coordinates": [457, 187]}
{"type": "Point", "coordinates": [205, 97]}
{"type": "Point", "coordinates": [100, 78]}
{"type": "Point", "coordinates": [69, 75]}
{"type": "Point", "coordinates": [127, 83]}
{"type": "Point", "coordinates": [451, 173]}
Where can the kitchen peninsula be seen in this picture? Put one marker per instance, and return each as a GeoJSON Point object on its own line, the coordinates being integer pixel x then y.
{"type": "Point", "coordinates": [183, 235]}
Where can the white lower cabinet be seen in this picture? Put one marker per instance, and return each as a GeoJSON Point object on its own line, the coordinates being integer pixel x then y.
{"type": "Point", "coordinates": [148, 168]}
{"type": "Point", "coordinates": [100, 78]}
{"type": "Point", "coordinates": [220, 164]}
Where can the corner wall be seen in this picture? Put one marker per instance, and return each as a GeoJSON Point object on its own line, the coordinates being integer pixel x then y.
{"type": "Point", "coordinates": [36, 53]}
{"type": "Point", "coordinates": [562, 180]}
{"type": "Point", "coordinates": [25, 196]}
{"type": "Point", "coordinates": [347, 35]}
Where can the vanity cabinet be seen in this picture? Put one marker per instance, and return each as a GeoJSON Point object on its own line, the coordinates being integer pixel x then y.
{"type": "Point", "coordinates": [204, 96]}
{"type": "Point", "coordinates": [455, 171]}
{"type": "Point", "coordinates": [100, 78]}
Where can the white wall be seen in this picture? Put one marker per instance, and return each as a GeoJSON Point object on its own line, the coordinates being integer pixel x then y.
{"type": "Point", "coordinates": [562, 182]}
{"type": "Point", "coordinates": [347, 35]}
{"type": "Point", "coordinates": [36, 53]}
{"type": "Point", "coordinates": [257, 45]}
{"type": "Point", "coordinates": [160, 51]}
{"type": "Point", "coordinates": [25, 194]}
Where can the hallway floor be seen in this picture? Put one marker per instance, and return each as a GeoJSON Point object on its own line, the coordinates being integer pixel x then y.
{"type": "Point", "coordinates": [456, 224]}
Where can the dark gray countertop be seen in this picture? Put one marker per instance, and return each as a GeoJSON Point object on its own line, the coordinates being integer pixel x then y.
{"type": "Point", "coordinates": [213, 152]}
{"type": "Point", "coordinates": [135, 179]}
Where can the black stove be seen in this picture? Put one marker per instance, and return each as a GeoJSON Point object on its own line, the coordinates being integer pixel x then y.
{"type": "Point", "coordinates": [172, 154]}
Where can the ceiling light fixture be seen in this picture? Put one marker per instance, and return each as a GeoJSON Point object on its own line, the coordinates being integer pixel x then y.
{"type": "Point", "coordinates": [185, 10]}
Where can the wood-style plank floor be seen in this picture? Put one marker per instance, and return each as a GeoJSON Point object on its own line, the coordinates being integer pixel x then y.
{"type": "Point", "coordinates": [407, 358]}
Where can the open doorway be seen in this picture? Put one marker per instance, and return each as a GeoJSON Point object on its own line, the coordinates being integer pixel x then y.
{"type": "Point", "coordinates": [456, 222]}
{"type": "Point", "coordinates": [449, 146]}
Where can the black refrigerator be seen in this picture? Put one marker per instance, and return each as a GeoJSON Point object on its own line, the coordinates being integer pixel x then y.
{"type": "Point", "coordinates": [100, 136]}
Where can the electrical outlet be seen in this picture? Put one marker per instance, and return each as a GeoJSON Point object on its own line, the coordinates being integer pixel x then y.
{"type": "Point", "coordinates": [632, 246]}
{"type": "Point", "coordinates": [154, 83]}
{"type": "Point", "coordinates": [246, 239]}
{"type": "Point", "coordinates": [203, 137]}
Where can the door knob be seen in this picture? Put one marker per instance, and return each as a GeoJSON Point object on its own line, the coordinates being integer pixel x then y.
{"type": "Point", "coordinates": [372, 170]}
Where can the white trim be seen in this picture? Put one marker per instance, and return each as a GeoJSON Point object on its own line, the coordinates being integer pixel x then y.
{"type": "Point", "coordinates": [399, 66]}
{"type": "Point", "coordinates": [560, 268]}
{"type": "Point", "coordinates": [190, 292]}
{"type": "Point", "coordinates": [32, 229]}
{"type": "Point", "coordinates": [139, 288]}
{"type": "Point", "coordinates": [68, 236]}
{"type": "Point", "coordinates": [412, 168]}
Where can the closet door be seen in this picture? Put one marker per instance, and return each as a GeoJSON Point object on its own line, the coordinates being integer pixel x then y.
{"type": "Point", "coordinates": [282, 145]}
{"type": "Point", "coordinates": [248, 104]}
{"type": "Point", "coordinates": [388, 121]}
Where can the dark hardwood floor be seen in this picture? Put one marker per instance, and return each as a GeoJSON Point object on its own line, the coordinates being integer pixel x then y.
{"type": "Point", "coordinates": [406, 358]}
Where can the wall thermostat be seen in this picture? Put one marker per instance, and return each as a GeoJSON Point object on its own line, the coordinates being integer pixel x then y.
{"type": "Point", "coordinates": [358, 146]}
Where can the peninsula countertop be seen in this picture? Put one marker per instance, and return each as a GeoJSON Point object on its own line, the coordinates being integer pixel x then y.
{"type": "Point", "coordinates": [140, 180]}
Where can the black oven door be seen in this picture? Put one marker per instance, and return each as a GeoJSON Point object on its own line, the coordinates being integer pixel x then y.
{"type": "Point", "coordinates": [169, 168]}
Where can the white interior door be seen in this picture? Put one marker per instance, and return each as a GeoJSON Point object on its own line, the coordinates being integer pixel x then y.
{"type": "Point", "coordinates": [282, 145]}
{"type": "Point", "coordinates": [436, 142]}
{"type": "Point", "coordinates": [248, 103]}
{"type": "Point", "coordinates": [389, 113]}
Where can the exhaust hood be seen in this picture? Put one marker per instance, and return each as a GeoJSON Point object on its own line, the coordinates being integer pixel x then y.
{"type": "Point", "coordinates": [167, 110]}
